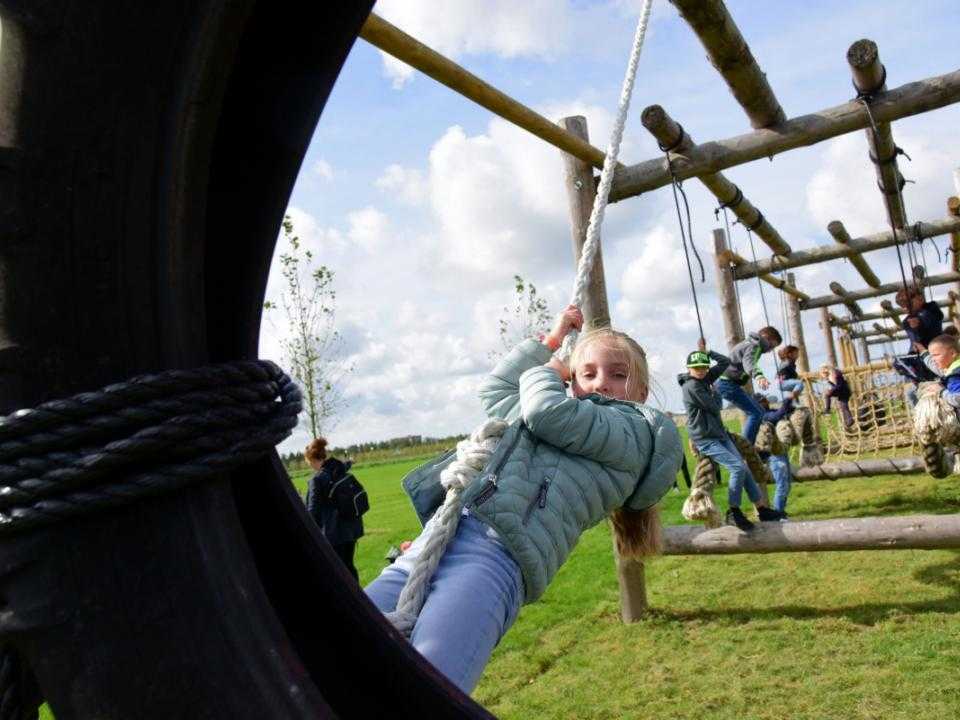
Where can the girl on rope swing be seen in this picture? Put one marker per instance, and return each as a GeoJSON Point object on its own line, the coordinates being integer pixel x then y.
{"type": "Point", "coordinates": [567, 461]}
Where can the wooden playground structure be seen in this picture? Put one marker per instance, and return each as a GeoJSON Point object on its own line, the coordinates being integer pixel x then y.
{"type": "Point", "coordinates": [138, 136]}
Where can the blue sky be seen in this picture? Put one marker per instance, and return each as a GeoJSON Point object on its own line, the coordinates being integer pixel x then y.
{"type": "Point", "coordinates": [425, 205]}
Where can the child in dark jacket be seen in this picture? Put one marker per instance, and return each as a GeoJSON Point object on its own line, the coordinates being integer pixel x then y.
{"type": "Point", "coordinates": [923, 322]}
{"type": "Point", "coordinates": [787, 374]}
{"type": "Point", "coordinates": [838, 389]}
{"type": "Point", "coordinates": [341, 532]}
{"type": "Point", "coordinates": [709, 436]}
{"type": "Point", "coordinates": [779, 464]}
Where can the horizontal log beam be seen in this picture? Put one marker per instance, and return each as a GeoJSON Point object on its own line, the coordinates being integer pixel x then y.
{"type": "Point", "coordinates": [393, 41]}
{"type": "Point", "coordinates": [883, 341]}
{"type": "Point", "coordinates": [669, 134]}
{"type": "Point", "coordinates": [855, 310]}
{"type": "Point", "coordinates": [730, 55]}
{"type": "Point", "coordinates": [869, 77]}
{"type": "Point", "coordinates": [732, 258]}
{"type": "Point", "coordinates": [840, 234]}
{"type": "Point", "coordinates": [867, 243]}
{"type": "Point", "coordinates": [860, 468]}
{"type": "Point", "coordinates": [711, 157]}
{"type": "Point", "coordinates": [882, 315]}
{"type": "Point", "coordinates": [877, 330]}
{"type": "Point", "coordinates": [914, 532]}
{"type": "Point", "coordinates": [827, 300]}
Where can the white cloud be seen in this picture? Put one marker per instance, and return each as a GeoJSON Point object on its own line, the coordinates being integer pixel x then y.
{"type": "Point", "coordinates": [405, 184]}
{"type": "Point", "coordinates": [368, 228]}
{"type": "Point", "coordinates": [323, 170]}
{"type": "Point", "coordinates": [502, 27]}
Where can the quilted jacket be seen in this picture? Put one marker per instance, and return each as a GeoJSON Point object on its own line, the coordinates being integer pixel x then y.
{"type": "Point", "coordinates": [561, 467]}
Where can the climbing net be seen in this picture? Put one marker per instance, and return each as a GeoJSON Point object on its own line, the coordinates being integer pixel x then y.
{"type": "Point", "coordinates": [882, 421]}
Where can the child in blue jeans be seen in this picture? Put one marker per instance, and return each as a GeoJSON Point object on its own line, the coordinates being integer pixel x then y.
{"type": "Point", "coordinates": [565, 462]}
{"type": "Point", "coordinates": [779, 464]}
{"type": "Point", "coordinates": [709, 436]}
{"type": "Point", "coordinates": [745, 366]}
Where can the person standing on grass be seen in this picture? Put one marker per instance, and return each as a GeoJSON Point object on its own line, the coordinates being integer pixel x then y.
{"type": "Point", "coordinates": [745, 366]}
{"type": "Point", "coordinates": [341, 531]}
{"type": "Point", "coordinates": [710, 438]}
{"type": "Point", "coordinates": [779, 464]}
{"type": "Point", "coordinates": [565, 462]}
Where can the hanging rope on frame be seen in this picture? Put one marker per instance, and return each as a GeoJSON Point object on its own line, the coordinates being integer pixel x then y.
{"type": "Point", "coordinates": [676, 186]}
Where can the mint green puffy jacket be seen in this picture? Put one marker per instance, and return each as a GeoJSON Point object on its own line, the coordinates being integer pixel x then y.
{"type": "Point", "coordinates": [562, 466]}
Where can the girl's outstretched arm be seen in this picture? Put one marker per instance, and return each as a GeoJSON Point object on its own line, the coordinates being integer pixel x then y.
{"type": "Point", "coordinates": [500, 391]}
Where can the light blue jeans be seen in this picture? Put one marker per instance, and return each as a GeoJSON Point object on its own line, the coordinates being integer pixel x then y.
{"type": "Point", "coordinates": [474, 598]}
{"type": "Point", "coordinates": [726, 453]}
{"type": "Point", "coordinates": [737, 396]}
{"type": "Point", "coordinates": [780, 469]}
{"type": "Point", "coordinates": [789, 386]}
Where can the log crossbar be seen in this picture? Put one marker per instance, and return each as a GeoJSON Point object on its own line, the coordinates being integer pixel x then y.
{"type": "Point", "coordinates": [855, 246]}
{"type": "Point", "coordinates": [393, 41]}
{"type": "Point", "coordinates": [710, 157]}
{"type": "Point", "coordinates": [916, 532]}
{"type": "Point", "coordinates": [885, 340]}
{"type": "Point", "coordinates": [734, 259]}
{"type": "Point", "coordinates": [827, 300]}
{"type": "Point", "coordinates": [882, 315]}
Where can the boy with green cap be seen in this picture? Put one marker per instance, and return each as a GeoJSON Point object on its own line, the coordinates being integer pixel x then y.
{"type": "Point", "coordinates": [709, 436]}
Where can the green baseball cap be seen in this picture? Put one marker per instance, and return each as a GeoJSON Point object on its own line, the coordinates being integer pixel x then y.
{"type": "Point", "coordinates": [698, 358]}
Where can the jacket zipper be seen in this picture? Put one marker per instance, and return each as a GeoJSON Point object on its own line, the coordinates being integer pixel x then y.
{"type": "Point", "coordinates": [539, 500]}
{"type": "Point", "coordinates": [490, 480]}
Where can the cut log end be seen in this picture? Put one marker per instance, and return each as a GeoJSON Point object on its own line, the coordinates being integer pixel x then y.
{"type": "Point", "coordinates": [862, 54]}
{"type": "Point", "coordinates": [838, 231]}
{"type": "Point", "coordinates": [953, 206]}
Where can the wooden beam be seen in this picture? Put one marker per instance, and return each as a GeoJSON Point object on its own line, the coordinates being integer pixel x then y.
{"type": "Point", "coordinates": [840, 234]}
{"type": "Point", "coordinates": [855, 246]}
{"type": "Point", "coordinates": [828, 336]}
{"type": "Point", "coordinates": [870, 77]}
{"type": "Point", "coordinates": [734, 259]}
{"type": "Point", "coordinates": [710, 157]}
{"type": "Point", "coordinates": [393, 41]}
{"type": "Point", "coordinates": [855, 310]}
{"type": "Point", "coordinates": [795, 325]}
{"type": "Point", "coordinates": [892, 311]}
{"type": "Point", "coordinates": [876, 330]}
{"type": "Point", "coordinates": [886, 313]}
{"type": "Point", "coordinates": [912, 532]}
{"type": "Point", "coordinates": [827, 300]}
{"type": "Point", "coordinates": [731, 56]}
{"type": "Point", "coordinates": [864, 350]}
{"type": "Point", "coordinates": [860, 468]}
{"type": "Point", "coordinates": [953, 209]}
{"type": "Point", "coordinates": [881, 341]}
{"type": "Point", "coordinates": [670, 135]}
{"type": "Point", "coordinates": [578, 180]}
{"type": "Point", "coordinates": [726, 290]}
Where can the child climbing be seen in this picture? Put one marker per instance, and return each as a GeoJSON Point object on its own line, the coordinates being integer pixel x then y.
{"type": "Point", "coordinates": [744, 366]}
{"type": "Point", "coordinates": [565, 462]}
{"type": "Point", "coordinates": [341, 528]}
{"type": "Point", "coordinates": [790, 381]}
{"type": "Point", "coordinates": [709, 436]}
{"type": "Point", "coordinates": [923, 322]}
{"type": "Point", "coordinates": [776, 458]}
{"type": "Point", "coordinates": [838, 389]}
{"type": "Point", "coordinates": [942, 357]}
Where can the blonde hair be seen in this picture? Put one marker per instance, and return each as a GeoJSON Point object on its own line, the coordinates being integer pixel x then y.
{"type": "Point", "coordinates": [316, 451]}
{"type": "Point", "coordinates": [947, 341]}
{"type": "Point", "coordinates": [638, 375]}
{"type": "Point", "coordinates": [637, 532]}
{"type": "Point", "coordinates": [826, 369]}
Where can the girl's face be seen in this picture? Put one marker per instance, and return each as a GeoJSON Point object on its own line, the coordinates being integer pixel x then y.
{"type": "Point", "coordinates": [603, 370]}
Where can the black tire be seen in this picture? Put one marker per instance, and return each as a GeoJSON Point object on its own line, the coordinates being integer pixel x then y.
{"type": "Point", "coordinates": [147, 152]}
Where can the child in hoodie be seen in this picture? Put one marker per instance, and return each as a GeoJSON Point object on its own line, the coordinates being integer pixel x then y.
{"type": "Point", "coordinates": [745, 366]}
{"type": "Point", "coordinates": [710, 438]}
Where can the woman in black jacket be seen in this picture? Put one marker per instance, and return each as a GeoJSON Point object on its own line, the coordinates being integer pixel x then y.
{"type": "Point", "coordinates": [342, 532]}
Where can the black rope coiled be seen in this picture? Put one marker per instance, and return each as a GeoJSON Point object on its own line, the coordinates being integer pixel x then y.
{"type": "Point", "coordinates": [147, 436]}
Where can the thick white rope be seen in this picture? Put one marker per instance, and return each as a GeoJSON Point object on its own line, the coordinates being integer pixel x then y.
{"type": "Point", "coordinates": [473, 454]}
{"type": "Point", "coordinates": [591, 244]}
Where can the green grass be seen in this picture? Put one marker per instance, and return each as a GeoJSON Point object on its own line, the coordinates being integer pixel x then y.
{"type": "Point", "coordinates": [858, 635]}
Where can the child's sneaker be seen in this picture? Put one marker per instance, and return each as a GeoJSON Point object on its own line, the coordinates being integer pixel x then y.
{"type": "Point", "coordinates": [767, 514]}
{"type": "Point", "coordinates": [736, 518]}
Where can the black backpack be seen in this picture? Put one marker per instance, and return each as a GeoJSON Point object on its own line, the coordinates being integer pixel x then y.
{"type": "Point", "coordinates": [348, 496]}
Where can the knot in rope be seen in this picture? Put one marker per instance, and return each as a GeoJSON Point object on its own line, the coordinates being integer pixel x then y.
{"type": "Point", "coordinates": [473, 454]}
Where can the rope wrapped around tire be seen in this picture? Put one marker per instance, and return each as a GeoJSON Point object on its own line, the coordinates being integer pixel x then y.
{"type": "Point", "coordinates": [811, 454]}
{"type": "Point", "coordinates": [700, 504]}
{"type": "Point", "coordinates": [767, 440]}
{"type": "Point", "coordinates": [150, 435]}
{"type": "Point", "coordinates": [786, 434]}
{"type": "Point", "coordinates": [758, 468]}
{"type": "Point", "coordinates": [936, 425]}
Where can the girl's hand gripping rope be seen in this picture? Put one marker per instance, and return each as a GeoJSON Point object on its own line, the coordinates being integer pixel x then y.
{"type": "Point", "coordinates": [569, 320]}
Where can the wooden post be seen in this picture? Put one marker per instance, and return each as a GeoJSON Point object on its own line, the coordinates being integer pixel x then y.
{"type": "Point", "coordinates": [864, 352]}
{"type": "Point", "coordinates": [828, 336]}
{"type": "Point", "coordinates": [891, 311]}
{"type": "Point", "coordinates": [953, 209]}
{"type": "Point", "coordinates": [852, 306]}
{"type": "Point", "coordinates": [725, 289]}
{"type": "Point", "coordinates": [581, 190]}
{"type": "Point", "coordinates": [731, 56]}
{"type": "Point", "coordinates": [886, 289]}
{"type": "Point", "coordinates": [869, 77]}
{"type": "Point", "coordinates": [795, 323]}
{"type": "Point", "coordinates": [840, 234]}
{"type": "Point", "coordinates": [393, 41]}
{"type": "Point", "coordinates": [717, 155]}
{"type": "Point", "coordinates": [855, 246]}
{"type": "Point", "coordinates": [669, 134]}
